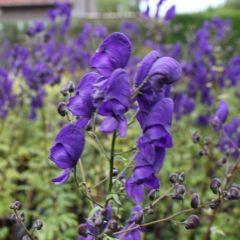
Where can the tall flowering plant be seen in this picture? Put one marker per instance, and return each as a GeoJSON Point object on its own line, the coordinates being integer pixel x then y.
{"type": "Point", "coordinates": [107, 95]}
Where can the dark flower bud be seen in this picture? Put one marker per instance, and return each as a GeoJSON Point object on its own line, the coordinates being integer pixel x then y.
{"type": "Point", "coordinates": [38, 224]}
{"type": "Point", "coordinates": [181, 177]}
{"type": "Point", "coordinates": [150, 210]}
{"type": "Point", "coordinates": [196, 137]}
{"type": "Point", "coordinates": [152, 194]}
{"type": "Point", "coordinates": [207, 140]}
{"type": "Point", "coordinates": [22, 216]}
{"type": "Point", "coordinates": [234, 193]}
{"type": "Point", "coordinates": [192, 222]}
{"type": "Point", "coordinates": [179, 192]}
{"type": "Point", "coordinates": [195, 201]}
{"type": "Point", "coordinates": [138, 217]}
{"type": "Point", "coordinates": [15, 205]}
{"type": "Point", "coordinates": [13, 218]}
{"type": "Point", "coordinates": [173, 177]}
{"type": "Point", "coordinates": [46, 37]}
{"type": "Point", "coordinates": [64, 90]}
{"type": "Point", "coordinates": [221, 161]}
{"type": "Point", "coordinates": [115, 172]}
{"type": "Point", "coordinates": [62, 109]}
{"type": "Point", "coordinates": [26, 237]}
{"type": "Point", "coordinates": [98, 221]}
{"type": "Point", "coordinates": [71, 87]}
{"type": "Point", "coordinates": [204, 151]}
{"type": "Point", "coordinates": [112, 226]}
{"type": "Point", "coordinates": [214, 204]}
{"type": "Point", "coordinates": [82, 229]}
{"type": "Point", "coordinates": [215, 185]}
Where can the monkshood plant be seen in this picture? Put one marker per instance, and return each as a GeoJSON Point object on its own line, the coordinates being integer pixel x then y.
{"type": "Point", "coordinates": [106, 101]}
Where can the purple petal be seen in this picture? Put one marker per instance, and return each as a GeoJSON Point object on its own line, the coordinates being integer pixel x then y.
{"type": "Point", "coordinates": [112, 53]}
{"type": "Point", "coordinates": [63, 177]}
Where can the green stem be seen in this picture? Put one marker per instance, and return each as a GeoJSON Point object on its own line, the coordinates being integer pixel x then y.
{"type": "Point", "coordinates": [111, 161]}
{"type": "Point", "coordinates": [23, 225]}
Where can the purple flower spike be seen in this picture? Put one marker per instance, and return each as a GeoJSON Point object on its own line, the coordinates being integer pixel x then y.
{"type": "Point", "coordinates": [81, 105]}
{"type": "Point", "coordinates": [221, 115]}
{"type": "Point", "coordinates": [165, 70]}
{"type": "Point", "coordinates": [66, 151]}
{"type": "Point", "coordinates": [113, 53]}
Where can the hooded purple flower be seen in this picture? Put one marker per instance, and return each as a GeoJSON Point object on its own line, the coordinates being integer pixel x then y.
{"type": "Point", "coordinates": [66, 150]}
{"type": "Point", "coordinates": [155, 139]}
{"type": "Point", "coordinates": [111, 97]}
{"type": "Point", "coordinates": [143, 177]}
{"type": "Point", "coordinates": [113, 53]}
{"type": "Point", "coordinates": [156, 72]}
{"type": "Point", "coordinates": [221, 115]}
{"type": "Point", "coordinates": [81, 105]}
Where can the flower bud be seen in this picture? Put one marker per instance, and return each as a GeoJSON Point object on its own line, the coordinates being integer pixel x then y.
{"type": "Point", "coordinates": [207, 140]}
{"type": "Point", "coordinates": [98, 221]}
{"type": "Point", "coordinates": [15, 205]}
{"type": "Point", "coordinates": [179, 192]}
{"type": "Point", "coordinates": [38, 224]}
{"type": "Point", "coordinates": [196, 137]}
{"type": "Point", "coordinates": [195, 201]}
{"type": "Point", "coordinates": [215, 185]}
{"type": "Point", "coordinates": [82, 229]}
{"type": "Point", "coordinates": [64, 90]}
{"type": "Point", "coordinates": [150, 210]}
{"type": "Point", "coordinates": [115, 172]}
{"type": "Point", "coordinates": [181, 177]}
{"type": "Point", "coordinates": [62, 109]}
{"type": "Point", "coordinates": [204, 151]}
{"type": "Point", "coordinates": [192, 222]}
{"type": "Point", "coordinates": [71, 87]}
{"type": "Point", "coordinates": [112, 226]}
{"type": "Point", "coordinates": [173, 177]}
{"type": "Point", "coordinates": [152, 194]}
{"type": "Point", "coordinates": [26, 237]}
{"type": "Point", "coordinates": [13, 218]}
{"type": "Point", "coordinates": [138, 217]}
{"type": "Point", "coordinates": [22, 216]}
{"type": "Point", "coordinates": [214, 204]}
{"type": "Point", "coordinates": [234, 193]}
{"type": "Point", "coordinates": [221, 161]}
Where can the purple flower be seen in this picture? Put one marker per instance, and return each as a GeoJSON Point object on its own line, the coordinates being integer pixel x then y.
{"type": "Point", "coordinates": [135, 218]}
{"type": "Point", "coordinates": [143, 176]}
{"type": "Point", "coordinates": [156, 137]}
{"type": "Point", "coordinates": [113, 53]}
{"type": "Point", "coordinates": [160, 2]}
{"type": "Point", "coordinates": [81, 105]}
{"type": "Point", "coordinates": [35, 29]}
{"type": "Point", "coordinates": [154, 72]}
{"type": "Point", "coordinates": [170, 14]}
{"type": "Point", "coordinates": [111, 98]}
{"type": "Point", "coordinates": [66, 150]}
{"type": "Point", "coordinates": [220, 116]}
{"type": "Point", "coordinates": [7, 99]}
